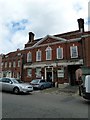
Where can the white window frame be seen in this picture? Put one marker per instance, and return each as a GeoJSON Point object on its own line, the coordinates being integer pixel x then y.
{"type": "Point", "coordinates": [18, 75]}
{"type": "Point", "coordinates": [76, 51]}
{"type": "Point", "coordinates": [59, 56]}
{"type": "Point", "coordinates": [29, 72]}
{"type": "Point", "coordinates": [48, 53]}
{"type": "Point", "coordinates": [14, 64]}
{"type": "Point", "coordinates": [2, 64]}
{"type": "Point", "coordinates": [10, 64]}
{"type": "Point", "coordinates": [29, 57]}
{"type": "Point", "coordinates": [19, 62]}
{"type": "Point", "coordinates": [38, 72]}
{"type": "Point", "coordinates": [60, 72]}
{"type": "Point", "coordinates": [5, 64]}
{"type": "Point", "coordinates": [38, 55]}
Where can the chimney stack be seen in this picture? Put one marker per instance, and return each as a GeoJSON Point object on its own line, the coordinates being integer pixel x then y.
{"type": "Point", "coordinates": [81, 24]}
{"type": "Point", "coordinates": [31, 37]}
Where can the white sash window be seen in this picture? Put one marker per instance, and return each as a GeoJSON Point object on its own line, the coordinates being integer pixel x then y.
{"type": "Point", "coordinates": [59, 53]}
{"type": "Point", "coordinates": [74, 51]}
{"type": "Point", "coordinates": [29, 72]}
{"type": "Point", "coordinates": [38, 55]}
{"type": "Point", "coordinates": [29, 56]}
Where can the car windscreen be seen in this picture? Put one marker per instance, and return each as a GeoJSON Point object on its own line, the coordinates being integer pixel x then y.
{"type": "Point", "coordinates": [35, 81]}
{"type": "Point", "coordinates": [14, 80]}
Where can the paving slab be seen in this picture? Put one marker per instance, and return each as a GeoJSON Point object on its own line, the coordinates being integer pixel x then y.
{"type": "Point", "coordinates": [70, 90]}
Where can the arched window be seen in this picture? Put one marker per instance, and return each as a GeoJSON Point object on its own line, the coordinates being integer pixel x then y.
{"type": "Point", "coordinates": [48, 53]}
{"type": "Point", "coordinates": [29, 56]}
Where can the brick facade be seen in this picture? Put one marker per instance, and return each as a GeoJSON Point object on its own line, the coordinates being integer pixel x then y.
{"type": "Point", "coordinates": [55, 58]}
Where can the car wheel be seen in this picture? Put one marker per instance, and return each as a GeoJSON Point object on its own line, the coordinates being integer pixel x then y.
{"type": "Point", "coordinates": [42, 87]}
{"type": "Point", "coordinates": [16, 90]}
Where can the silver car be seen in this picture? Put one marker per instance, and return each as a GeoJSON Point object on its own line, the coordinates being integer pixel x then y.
{"type": "Point", "coordinates": [12, 85]}
{"type": "Point", "coordinates": [40, 84]}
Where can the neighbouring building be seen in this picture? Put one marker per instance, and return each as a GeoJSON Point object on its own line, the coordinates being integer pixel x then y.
{"type": "Point", "coordinates": [53, 57]}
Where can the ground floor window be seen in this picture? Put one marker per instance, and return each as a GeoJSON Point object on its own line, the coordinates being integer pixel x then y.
{"type": "Point", "coordinates": [29, 72]}
{"type": "Point", "coordinates": [18, 75]}
{"type": "Point", "coordinates": [38, 72]}
{"type": "Point", "coordinates": [60, 72]}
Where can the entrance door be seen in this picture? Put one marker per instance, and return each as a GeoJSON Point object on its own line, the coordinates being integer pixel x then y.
{"type": "Point", "coordinates": [49, 76]}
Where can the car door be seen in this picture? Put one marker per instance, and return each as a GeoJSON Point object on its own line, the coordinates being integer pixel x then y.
{"type": "Point", "coordinates": [0, 84]}
{"type": "Point", "coordinates": [7, 86]}
{"type": "Point", "coordinates": [43, 83]}
{"type": "Point", "coordinates": [3, 83]}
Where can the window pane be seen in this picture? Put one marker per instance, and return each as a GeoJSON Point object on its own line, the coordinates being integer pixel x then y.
{"type": "Point", "coordinates": [38, 56]}
{"type": "Point", "coordinates": [10, 64]}
{"type": "Point", "coordinates": [18, 63]}
{"type": "Point", "coordinates": [59, 53]}
{"type": "Point", "coordinates": [48, 53]}
{"type": "Point", "coordinates": [14, 64]}
{"type": "Point", "coordinates": [60, 73]}
{"type": "Point", "coordinates": [38, 72]}
{"type": "Point", "coordinates": [29, 72]}
{"type": "Point", "coordinates": [29, 57]}
{"type": "Point", "coordinates": [74, 52]}
{"type": "Point", "coordinates": [5, 64]}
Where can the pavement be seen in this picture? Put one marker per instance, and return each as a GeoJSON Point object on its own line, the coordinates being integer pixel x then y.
{"type": "Point", "coordinates": [63, 89]}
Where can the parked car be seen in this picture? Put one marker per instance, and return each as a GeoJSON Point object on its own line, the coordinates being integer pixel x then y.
{"type": "Point", "coordinates": [40, 84]}
{"type": "Point", "coordinates": [12, 85]}
{"type": "Point", "coordinates": [86, 88]}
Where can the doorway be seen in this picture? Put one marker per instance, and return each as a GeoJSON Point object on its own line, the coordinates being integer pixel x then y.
{"type": "Point", "coordinates": [72, 76]}
{"type": "Point", "coordinates": [49, 76]}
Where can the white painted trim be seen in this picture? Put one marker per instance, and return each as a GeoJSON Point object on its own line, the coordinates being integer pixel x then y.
{"type": "Point", "coordinates": [46, 73]}
{"type": "Point", "coordinates": [52, 75]}
{"type": "Point", "coordinates": [61, 40]}
{"type": "Point", "coordinates": [52, 63]}
{"type": "Point", "coordinates": [53, 37]}
{"type": "Point", "coordinates": [54, 43]}
{"type": "Point", "coordinates": [49, 36]}
{"type": "Point", "coordinates": [88, 35]}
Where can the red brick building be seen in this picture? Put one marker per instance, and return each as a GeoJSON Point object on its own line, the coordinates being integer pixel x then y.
{"type": "Point", "coordinates": [54, 58]}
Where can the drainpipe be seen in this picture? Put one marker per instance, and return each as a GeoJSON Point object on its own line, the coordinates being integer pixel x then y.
{"type": "Point", "coordinates": [56, 61]}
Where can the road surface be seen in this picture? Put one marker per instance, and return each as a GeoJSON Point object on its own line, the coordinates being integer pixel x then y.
{"type": "Point", "coordinates": [44, 105]}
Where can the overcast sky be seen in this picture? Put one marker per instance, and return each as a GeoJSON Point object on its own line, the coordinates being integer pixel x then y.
{"type": "Point", "coordinates": [43, 17]}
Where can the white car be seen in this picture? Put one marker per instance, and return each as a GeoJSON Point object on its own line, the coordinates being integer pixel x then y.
{"type": "Point", "coordinates": [86, 87]}
{"type": "Point", "coordinates": [12, 85]}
